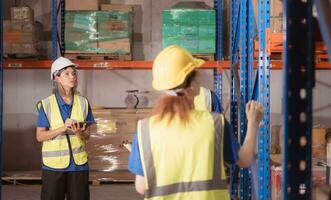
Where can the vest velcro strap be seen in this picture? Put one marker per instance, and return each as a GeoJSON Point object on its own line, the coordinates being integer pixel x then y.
{"type": "Point", "coordinates": [186, 187]}
{"type": "Point", "coordinates": [55, 153]}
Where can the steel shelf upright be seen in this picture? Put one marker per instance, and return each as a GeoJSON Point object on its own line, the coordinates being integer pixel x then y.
{"type": "Point", "coordinates": [256, 179]}
{"type": "Point", "coordinates": [54, 29]}
{"type": "Point", "coordinates": [218, 6]}
{"type": "Point", "coordinates": [324, 15]}
{"type": "Point", "coordinates": [58, 7]}
{"type": "Point", "coordinates": [246, 75]}
{"type": "Point", "coordinates": [297, 99]}
{"type": "Point", "coordinates": [1, 90]}
{"type": "Point", "coordinates": [263, 75]}
{"type": "Point", "coordinates": [234, 35]}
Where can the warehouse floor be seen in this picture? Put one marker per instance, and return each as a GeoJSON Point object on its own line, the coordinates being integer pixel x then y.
{"type": "Point", "coordinates": [119, 191]}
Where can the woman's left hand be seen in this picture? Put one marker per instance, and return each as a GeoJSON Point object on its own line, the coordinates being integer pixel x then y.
{"type": "Point", "coordinates": [75, 128]}
{"type": "Point", "coordinates": [78, 130]}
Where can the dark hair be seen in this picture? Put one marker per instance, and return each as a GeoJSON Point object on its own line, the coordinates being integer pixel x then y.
{"type": "Point", "coordinates": [180, 105]}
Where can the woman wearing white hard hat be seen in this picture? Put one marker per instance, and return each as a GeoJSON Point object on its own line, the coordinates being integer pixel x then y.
{"type": "Point", "coordinates": [180, 152]}
{"type": "Point", "coordinates": [62, 129]}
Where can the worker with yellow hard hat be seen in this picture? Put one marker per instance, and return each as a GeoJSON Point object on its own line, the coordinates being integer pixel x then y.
{"type": "Point", "coordinates": [62, 129]}
{"type": "Point", "coordinates": [180, 152]}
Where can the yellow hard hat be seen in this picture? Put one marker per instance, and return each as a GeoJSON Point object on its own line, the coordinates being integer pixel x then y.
{"type": "Point", "coordinates": [172, 66]}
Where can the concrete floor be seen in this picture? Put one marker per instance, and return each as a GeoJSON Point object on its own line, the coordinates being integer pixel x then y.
{"type": "Point", "coordinates": [123, 191]}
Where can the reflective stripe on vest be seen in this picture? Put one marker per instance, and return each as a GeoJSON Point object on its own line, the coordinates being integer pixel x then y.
{"type": "Point", "coordinates": [55, 152]}
{"type": "Point", "coordinates": [203, 100]}
{"type": "Point", "coordinates": [218, 181]}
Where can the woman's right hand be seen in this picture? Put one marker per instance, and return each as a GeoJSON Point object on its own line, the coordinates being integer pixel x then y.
{"type": "Point", "coordinates": [254, 112]}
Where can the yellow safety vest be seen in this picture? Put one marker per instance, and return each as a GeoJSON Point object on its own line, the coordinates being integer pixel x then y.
{"type": "Point", "coordinates": [56, 151]}
{"type": "Point", "coordinates": [183, 163]}
{"type": "Point", "coordinates": [203, 100]}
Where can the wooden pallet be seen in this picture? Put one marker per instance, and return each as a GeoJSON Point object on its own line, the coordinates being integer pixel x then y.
{"type": "Point", "coordinates": [22, 56]}
{"type": "Point", "coordinates": [93, 56]}
{"type": "Point", "coordinates": [21, 177]}
{"type": "Point", "coordinates": [206, 57]}
{"type": "Point", "coordinates": [102, 177]}
{"type": "Point", "coordinates": [95, 177]}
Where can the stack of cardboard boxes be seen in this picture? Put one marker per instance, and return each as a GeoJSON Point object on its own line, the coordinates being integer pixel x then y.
{"type": "Point", "coordinates": [90, 30]}
{"type": "Point", "coordinates": [22, 35]}
{"type": "Point", "coordinates": [110, 136]}
{"type": "Point", "coordinates": [276, 16]}
{"type": "Point", "coordinates": [191, 25]}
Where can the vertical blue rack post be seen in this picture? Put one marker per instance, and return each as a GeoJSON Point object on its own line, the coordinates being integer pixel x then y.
{"type": "Point", "coordinates": [297, 99]}
{"type": "Point", "coordinates": [234, 35]}
{"type": "Point", "coordinates": [62, 39]}
{"type": "Point", "coordinates": [218, 6]}
{"type": "Point", "coordinates": [246, 75]}
{"type": "Point", "coordinates": [263, 23]}
{"type": "Point", "coordinates": [54, 29]}
{"type": "Point", "coordinates": [1, 90]}
{"type": "Point", "coordinates": [324, 15]}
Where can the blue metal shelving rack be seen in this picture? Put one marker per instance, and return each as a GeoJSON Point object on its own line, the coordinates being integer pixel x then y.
{"type": "Point", "coordinates": [246, 39]}
{"type": "Point", "coordinates": [324, 15]}
{"type": "Point", "coordinates": [58, 42]}
{"type": "Point", "coordinates": [54, 29]}
{"type": "Point", "coordinates": [263, 75]}
{"type": "Point", "coordinates": [234, 37]}
{"type": "Point", "coordinates": [297, 99]}
{"type": "Point", "coordinates": [1, 91]}
{"type": "Point", "coordinates": [254, 182]}
{"type": "Point", "coordinates": [218, 5]}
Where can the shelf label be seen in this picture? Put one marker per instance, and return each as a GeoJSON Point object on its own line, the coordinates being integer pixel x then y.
{"type": "Point", "coordinates": [101, 65]}
{"type": "Point", "coordinates": [15, 65]}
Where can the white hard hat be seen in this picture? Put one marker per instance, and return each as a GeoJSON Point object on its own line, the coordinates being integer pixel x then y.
{"type": "Point", "coordinates": [59, 64]}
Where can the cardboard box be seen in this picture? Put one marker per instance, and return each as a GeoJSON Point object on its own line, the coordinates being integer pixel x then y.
{"type": "Point", "coordinates": [19, 37]}
{"type": "Point", "coordinates": [117, 121]}
{"type": "Point", "coordinates": [121, 46]}
{"type": "Point", "coordinates": [114, 31]}
{"type": "Point", "coordinates": [23, 38]}
{"type": "Point", "coordinates": [77, 42]}
{"type": "Point", "coordinates": [276, 159]}
{"type": "Point", "coordinates": [117, 7]}
{"type": "Point", "coordinates": [276, 24]}
{"type": "Point", "coordinates": [276, 8]}
{"type": "Point", "coordinates": [7, 49]}
{"type": "Point", "coordinates": [25, 48]}
{"type": "Point", "coordinates": [275, 144]}
{"type": "Point", "coordinates": [190, 25]}
{"type": "Point", "coordinates": [114, 25]}
{"type": "Point", "coordinates": [21, 14]}
{"type": "Point", "coordinates": [318, 142]}
{"type": "Point", "coordinates": [107, 153]}
{"type": "Point", "coordinates": [84, 4]}
{"type": "Point", "coordinates": [113, 129]}
{"type": "Point", "coordinates": [81, 32]}
{"type": "Point", "coordinates": [276, 16]}
{"type": "Point", "coordinates": [98, 32]}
